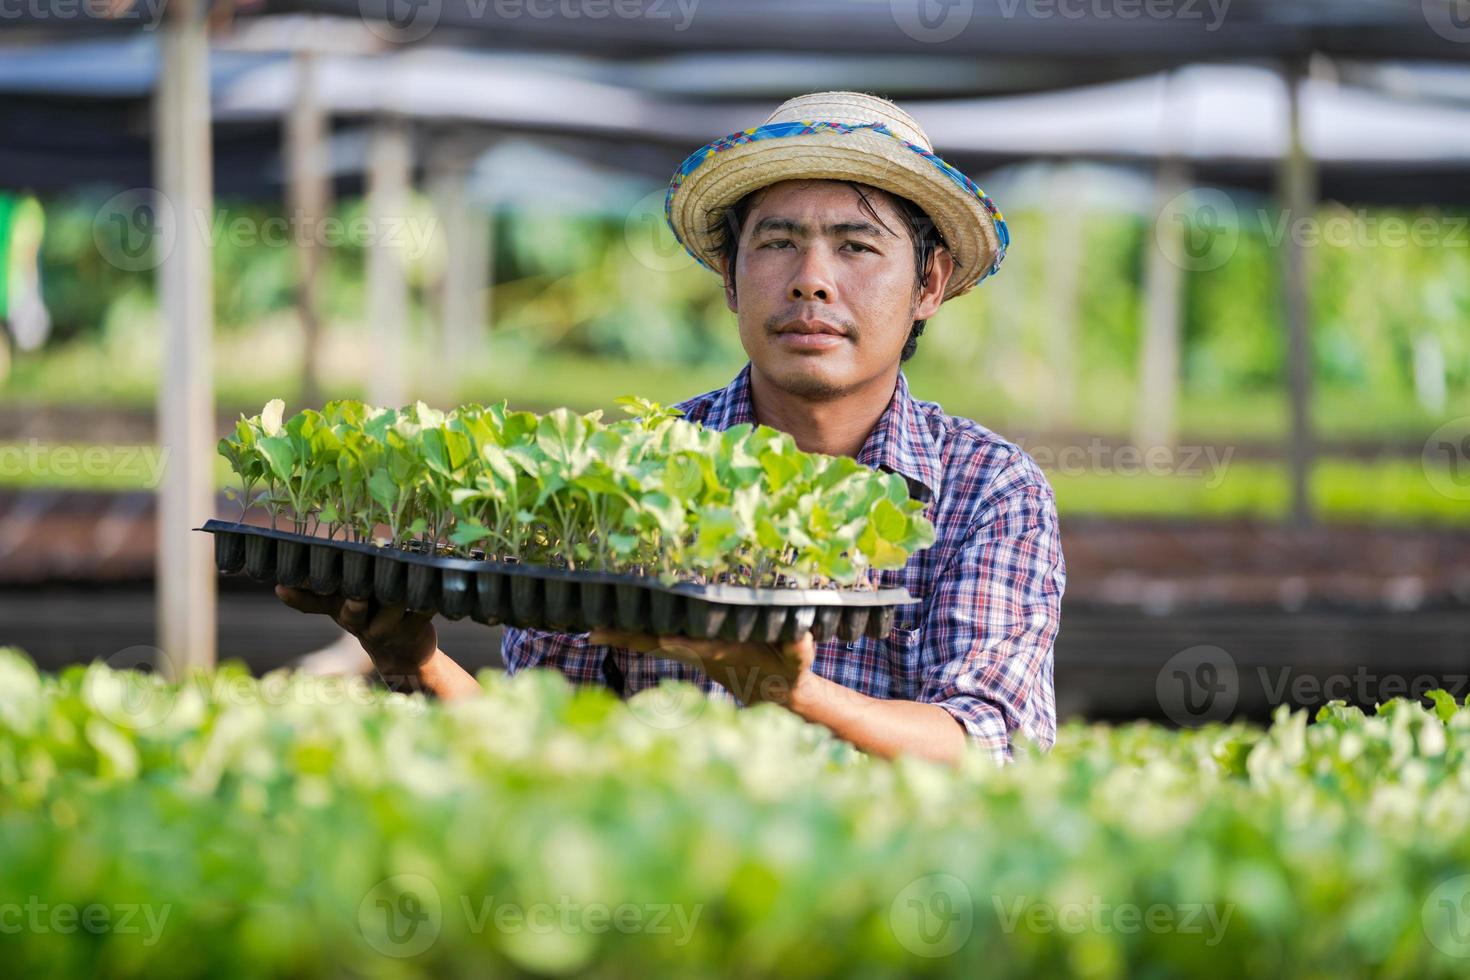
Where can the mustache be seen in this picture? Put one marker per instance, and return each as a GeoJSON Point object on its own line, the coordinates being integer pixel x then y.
{"type": "Point", "coordinates": [774, 323]}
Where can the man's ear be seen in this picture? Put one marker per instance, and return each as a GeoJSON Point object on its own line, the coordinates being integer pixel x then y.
{"type": "Point", "coordinates": [728, 274]}
{"type": "Point", "coordinates": [941, 267]}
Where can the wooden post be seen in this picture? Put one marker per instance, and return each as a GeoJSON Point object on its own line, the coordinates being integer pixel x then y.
{"type": "Point", "coordinates": [1063, 294]}
{"type": "Point", "coordinates": [1297, 193]}
{"type": "Point", "coordinates": [390, 174]}
{"type": "Point", "coordinates": [465, 230]}
{"type": "Point", "coordinates": [1154, 420]}
{"type": "Point", "coordinates": [186, 426]}
{"type": "Point", "coordinates": [308, 197]}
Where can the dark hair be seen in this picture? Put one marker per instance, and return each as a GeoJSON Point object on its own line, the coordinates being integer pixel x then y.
{"type": "Point", "coordinates": [725, 227]}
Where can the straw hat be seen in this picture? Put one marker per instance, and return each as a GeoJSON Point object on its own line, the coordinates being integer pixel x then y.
{"type": "Point", "coordinates": [838, 136]}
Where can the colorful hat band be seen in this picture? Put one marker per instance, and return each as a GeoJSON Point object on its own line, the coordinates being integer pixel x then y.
{"type": "Point", "coordinates": [802, 128]}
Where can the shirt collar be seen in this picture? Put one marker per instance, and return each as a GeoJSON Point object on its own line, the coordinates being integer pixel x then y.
{"type": "Point", "coordinates": [899, 443]}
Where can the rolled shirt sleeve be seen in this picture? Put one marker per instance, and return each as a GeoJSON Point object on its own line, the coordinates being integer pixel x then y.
{"type": "Point", "coordinates": [993, 616]}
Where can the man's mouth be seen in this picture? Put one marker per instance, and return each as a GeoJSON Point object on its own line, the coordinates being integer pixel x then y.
{"type": "Point", "coordinates": [811, 327]}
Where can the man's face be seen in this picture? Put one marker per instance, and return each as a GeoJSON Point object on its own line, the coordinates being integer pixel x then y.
{"type": "Point", "coordinates": [825, 296]}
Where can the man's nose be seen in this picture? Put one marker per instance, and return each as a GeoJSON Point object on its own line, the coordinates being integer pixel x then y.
{"type": "Point", "coordinates": [813, 279]}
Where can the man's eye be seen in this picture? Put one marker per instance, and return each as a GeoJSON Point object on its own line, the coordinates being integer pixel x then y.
{"type": "Point", "coordinates": [777, 243]}
{"type": "Point", "coordinates": [858, 246]}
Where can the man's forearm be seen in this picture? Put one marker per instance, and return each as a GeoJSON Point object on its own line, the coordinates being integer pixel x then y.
{"type": "Point", "coordinates": [443, 678]}
{"type": "Point", "coordinates": [886, 728]}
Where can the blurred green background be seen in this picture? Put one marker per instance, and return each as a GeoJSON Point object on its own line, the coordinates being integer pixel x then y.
{"type": "Point", "coordinates": [580, 317]}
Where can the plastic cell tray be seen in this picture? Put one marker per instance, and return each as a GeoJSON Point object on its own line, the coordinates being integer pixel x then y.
{"type": "Point", "coordinates": [544, 597]}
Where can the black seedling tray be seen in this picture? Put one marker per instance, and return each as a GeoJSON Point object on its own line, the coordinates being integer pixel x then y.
{"type": "Point", "coordinates": [542, 597]}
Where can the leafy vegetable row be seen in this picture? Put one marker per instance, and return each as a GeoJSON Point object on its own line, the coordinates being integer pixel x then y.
{"type": "Point", "coordinates": [651, 494]}
{"type": "Point", "coordinates": [311, 827]}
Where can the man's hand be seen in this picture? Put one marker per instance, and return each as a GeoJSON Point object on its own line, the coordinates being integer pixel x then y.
{"type": "Point", "coordinates": [781, 674]}
{"type": "Point", "coordinates": [752, 672]}
{"type": "Point", "coordinates": [404, 645]}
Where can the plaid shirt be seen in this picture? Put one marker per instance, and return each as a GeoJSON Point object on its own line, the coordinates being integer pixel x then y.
{"type": "Point", "coordinates": [979, 641]}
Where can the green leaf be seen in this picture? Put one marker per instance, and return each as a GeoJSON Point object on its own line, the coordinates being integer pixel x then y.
{"type": "Point", "coordinates": [1445, 707]}
{"type": "Point", "coordinates": [270, 416]}
{"type": "Point", "coordinates": [280, 456]}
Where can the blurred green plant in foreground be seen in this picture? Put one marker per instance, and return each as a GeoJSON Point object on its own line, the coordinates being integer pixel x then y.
{"type": "Point", "coordinates": [289, 825]}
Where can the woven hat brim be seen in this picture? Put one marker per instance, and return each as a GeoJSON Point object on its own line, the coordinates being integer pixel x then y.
{"type": "Point", "coordinates": [967, 225]}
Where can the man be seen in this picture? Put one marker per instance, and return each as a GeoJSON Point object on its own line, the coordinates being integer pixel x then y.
{"type": "Point", "coordinates": [838, 233]}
